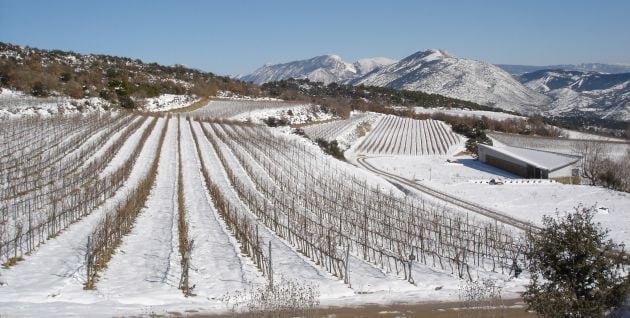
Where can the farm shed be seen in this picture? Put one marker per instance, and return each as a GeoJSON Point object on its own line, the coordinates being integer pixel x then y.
{"type": "Point", "coordinates": [529, 163]}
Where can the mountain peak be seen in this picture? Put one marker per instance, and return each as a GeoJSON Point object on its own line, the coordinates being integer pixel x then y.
{"type": "Point", "coordinates": [430, 55]}
{"type": "Point", "coordinates": [367, 65]}
{"type": "Point", "coordinates": [334, 57]}
{"type": "Point", "coordinates": [324, 68]}
{"type": "Point", "coordinates": [436, 71]}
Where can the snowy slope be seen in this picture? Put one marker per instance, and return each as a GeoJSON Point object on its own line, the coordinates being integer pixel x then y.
{"type": "Point", "coordinates": [582, 67]}
{"type": "Point", "coordinates": [14, 104]}
{"type": "Point", "coordinates": [577, 93]}
{"type": "Point", "coordinates": [367, 65]}
{"type": "Point", "coordinates": [325, 68]}
{"type": "Point", "coordinates": [438, 72]}
{"type": "Point", "coordinates": [166, 102]}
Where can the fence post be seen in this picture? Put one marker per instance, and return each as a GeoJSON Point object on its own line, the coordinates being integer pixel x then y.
{"type": "Point", "coordinates": [88, 258]}
{"type": "Point", "coordinates": [346, 270]}
{"type": "Point", "coordinates": [270, 268]}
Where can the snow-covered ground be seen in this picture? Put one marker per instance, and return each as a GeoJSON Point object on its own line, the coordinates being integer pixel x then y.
{"type": "Point", "coordinates": [438, 170]}
{"type": "Point", "coordinates": [530, 202]}
{"type": "Point", "coordinates": [256, 111]}
{"type": "Point", "coordinates": [524, 199]}
{"type": "Point", "coordinates": [613, 149]}
{"type": "Point", "coordinates": [145, 268]}
{"type": "Point", "coordinates": [50, 281]}
{"type": "Point", "coordinates": [232, 96]}
{"type": "Point", "coordinates": [14, 103]}
{"type": "Point", "coordinates": [343, 131]}
{"type": "Point", "coordinates": [393, 135]}
{"type": "Point", "coordinates": [143, 274]}
{"type": "Point", "coordinates": [572, 134]}
{"type": "Point", "coordinates": [466, 112]}
{"type": "Point", "coordinates": [295, 114]}
{"type": "Point", "coordinates": [166, 102]}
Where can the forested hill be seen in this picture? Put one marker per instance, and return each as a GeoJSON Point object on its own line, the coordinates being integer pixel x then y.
{"type": "Point", "coordinates": [344, 97]}
{"type": "Point", "coordinates": [117, 79]}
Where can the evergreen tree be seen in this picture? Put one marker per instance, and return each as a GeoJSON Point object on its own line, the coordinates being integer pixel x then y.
{"type": "Point", "coordinates": [576, 271]}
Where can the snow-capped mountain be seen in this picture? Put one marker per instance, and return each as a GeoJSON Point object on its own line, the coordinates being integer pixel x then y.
{"type": "Point", "coordinates": [325, 68]}
{"type": "Point", "coordinates": [576, 93]}
{"type": "Point", "coordinates": [438, 72]}
{"type": "Point", "coordinates": [582, 67]}
{"type": "Point", "coordinates": [559, 92]}
{"type": "Point", "coordinates": [364, 66]}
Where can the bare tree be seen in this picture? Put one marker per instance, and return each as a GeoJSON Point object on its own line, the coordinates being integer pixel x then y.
{"type": "Point", "coordinates": [593, 154]}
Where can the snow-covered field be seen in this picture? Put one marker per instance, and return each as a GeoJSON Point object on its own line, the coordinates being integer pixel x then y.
{"type": "Point", "coordinates": [15, 104]}
{"type": "Point", "coordinates": [256, 111]}
{"type": "Point", "coordinates": [466, 112]}
{"type": "Point", "coordinates": [166, 102]}
{"type": "Point", "coordinates": [258, 206]}
{"type": "Point", "coordinates": [395, 135]}
{"type": "Point", "coordinates": [613, 148]}
{"type": "Point", "coordinates": [524, 199]}
{"type": "Point", "coordinates": [296, 200]}
{"type": "Point", "coordinates": [345, 131]}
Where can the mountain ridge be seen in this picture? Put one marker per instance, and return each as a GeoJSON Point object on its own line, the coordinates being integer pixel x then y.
{"type": "Point", "coordinates": [577, 93]}
{"type": "Point", "coordinates": [437, 71]}
{"type": "Point", "coordinates": [323, 68]}
{"type": "Point", "coordinates": [517, 70]}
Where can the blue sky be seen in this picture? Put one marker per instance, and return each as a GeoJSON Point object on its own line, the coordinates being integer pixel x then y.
{"type": "Point", "coordinates": [235, 37]}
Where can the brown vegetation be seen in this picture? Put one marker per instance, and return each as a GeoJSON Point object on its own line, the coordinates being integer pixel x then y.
{"type": "Point", "coordinates": [185, 244]}
{"type": "Point", "coordinates": [117, 79]}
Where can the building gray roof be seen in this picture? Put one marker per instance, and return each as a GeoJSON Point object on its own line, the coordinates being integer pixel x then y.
{"type": "Point", "coordinates": [547, 160]}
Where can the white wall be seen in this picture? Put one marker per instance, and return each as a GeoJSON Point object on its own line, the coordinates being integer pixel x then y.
{"type": "Point", "coordinates": [562, 172]}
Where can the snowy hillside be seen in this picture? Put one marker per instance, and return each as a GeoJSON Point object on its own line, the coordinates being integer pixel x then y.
{"type": "Point", "coordinates": [582, 67]}
{"type": "Point", "coordinates": [16, 104]}
{"type": "Point", "coordinates": [438, 72]}
{"type": "Point", "coordinates": [577, 93]}
{"type": "Point", "coordinates": [364, 66]}
{"type": "Point", "coordinates": [431, 71]}
{"type": "Point", "coordinates": [325, 68]}
{"type": "Point", "coordinates": [552, 93]}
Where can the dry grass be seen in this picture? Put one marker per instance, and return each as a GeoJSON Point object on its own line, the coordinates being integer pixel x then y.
{"type": "Point", "coordinates": [12, 261]}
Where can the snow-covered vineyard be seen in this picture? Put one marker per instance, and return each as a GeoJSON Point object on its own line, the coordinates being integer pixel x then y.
{"type": "Point", "coordinates": [120, 213]}
{"type": "Point", "coordinates": [333, 130]}
{"type": "Point", "coordinates": [395, 135]}
{"type": "Point", "coordinates": [228, 108]}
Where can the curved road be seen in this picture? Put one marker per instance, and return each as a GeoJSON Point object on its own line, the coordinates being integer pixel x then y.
{"type": "Point", "coordinates": [475, 208]}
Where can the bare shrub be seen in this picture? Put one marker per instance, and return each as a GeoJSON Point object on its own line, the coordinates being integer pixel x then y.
{"type": "Point", "coordinates": [593, 155]}
{"type": "Point", "coordinates": [363, 128]}
{"type": "Point", "coordinates": [481, 298]}
{"type": "Point", "coordinates": [286, 298]}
